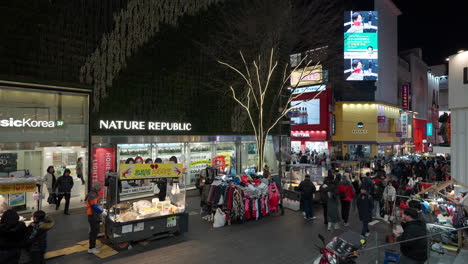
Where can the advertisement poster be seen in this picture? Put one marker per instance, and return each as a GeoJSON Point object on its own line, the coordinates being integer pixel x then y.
{"type": "Point", "coordinates": [16, 199]}
{"type": "Point", "coordinates": [307, 113]}
{"type": "Point", "coordinates": [404, 125]}
{"type": "Point", "coordinates": [150, 171]}
{"type": "Point", "coordinates": [8, 162]}
{"type": "Point", "coordinates": [361, 46]}
{"type": "Point", "coordinates": [17, 187]}
{"type": "Point", "coordinates": [103, 160]}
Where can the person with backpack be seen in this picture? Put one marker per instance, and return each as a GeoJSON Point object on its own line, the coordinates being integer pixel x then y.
{"type": "Point", "coordinates": [307, 190]}
{"type": "Point", "coordinates": [346, 194]}
{"type": "Point", "coordinates": [37, 240]}
{"type": "Point", "coordinates": [377, 196]}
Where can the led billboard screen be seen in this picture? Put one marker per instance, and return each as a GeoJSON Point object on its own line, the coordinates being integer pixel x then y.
{"type": "Point", "coordinates": [361, 46]}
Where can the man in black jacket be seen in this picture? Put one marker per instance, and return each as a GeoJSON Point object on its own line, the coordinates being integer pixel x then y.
{"type": "Point", "coordinates": [307, 189]}
{"type": "Point", "coordinates": [64, 186]}
{"type": "Point", "coordinates": [413, 251]}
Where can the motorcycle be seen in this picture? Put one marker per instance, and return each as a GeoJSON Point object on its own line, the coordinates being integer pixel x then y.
{"type": "Point", "coordinates": [341, 249]}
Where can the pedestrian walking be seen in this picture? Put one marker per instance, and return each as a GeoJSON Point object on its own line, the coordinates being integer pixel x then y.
{"type": "Point", "coordinates": [37, 236]}
{"type": "Point", "coordinates": [307, 190]}
{"type": "Point", "coordinates": [346, 194]}
{"type": "Point", "coordinates": [389, 196]}
{"type": "Point", "coordinates": [365, 205]}
{"type": "Point", "coordinates": [413, 251]}
{"type": "Point", "coordinates": [332, 204]}
{"type": "Point", "coordinates": [79, 170]}
{"type": "Point", "coordinates": [64, 186]}
{"type": "Point", "coordinates": [377, 196]}
{"type": "Point", "coordinates": [323, 190]}
{"type": "Point", "coordinates": [93, 212]}
{"type": "Point", "coordinates": [50, 182]}
{"type": "Point", "coordinates": [12, 237]}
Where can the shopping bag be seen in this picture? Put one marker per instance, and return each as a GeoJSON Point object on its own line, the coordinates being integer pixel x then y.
{"type": "Point", "coordinates": [219, 218]}
{"type": "Point", "coordinates": [52, 198]}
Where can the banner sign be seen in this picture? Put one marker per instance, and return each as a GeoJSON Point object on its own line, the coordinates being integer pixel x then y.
{"type": "Point", "coordinates": [306, 76]}
{"type": "Point", "coordinates": [150, 171]}
{"type": "Point", "coordinates": [398, 134]}
{"type": "Point", "coordinates": [8, 162]}
{"type": "Point", "coordinates": [17, 188]}
{"type": "Point", "coordinates": [405, 97]}
{"type": "Point", "coordinates": [381, 119]}
{"type": "Point", "coordinates": [429, 129]}
{"type": "Point", "coordinates": [404, 125]}
{"type": "Point", "coordinates": [103, 160]}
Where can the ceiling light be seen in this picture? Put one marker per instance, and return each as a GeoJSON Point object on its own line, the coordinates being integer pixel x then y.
{"type": "Point", "coordinates": [447, 59]}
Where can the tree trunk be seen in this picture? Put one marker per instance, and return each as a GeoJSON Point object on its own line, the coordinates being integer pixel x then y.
{"type": "Point", "coordinates": [261, 139]}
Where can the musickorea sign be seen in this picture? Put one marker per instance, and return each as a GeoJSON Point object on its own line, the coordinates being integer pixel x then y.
{"type": "Point", "coordinates": [28, 122]}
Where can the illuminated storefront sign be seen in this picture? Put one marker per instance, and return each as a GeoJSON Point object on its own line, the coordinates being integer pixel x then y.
{"type": "Point", "coordinates": [144, 125]}
{"type": "Point", "coordinates": [404, 125]}
{"type": "Point", "coordinates": [429, 129]}
{"type": "Point", "coordinates": [405, 97]}
{"type": "Point", "coordinates": [306, 76]}
{"type": "Point", "coordinates": [27, 122]}
{"type": "Point", "coordinates": [300, 134]}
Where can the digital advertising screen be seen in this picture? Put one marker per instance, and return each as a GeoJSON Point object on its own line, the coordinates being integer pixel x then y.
{"type": "Point", "coordinates": [307, 113]}
{"type": "Point", "coordinates": [361, 47]}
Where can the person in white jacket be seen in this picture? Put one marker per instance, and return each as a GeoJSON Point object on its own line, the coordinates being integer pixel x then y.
{"type": "Point", "coordinates": [389, 197]}
{"type": "Point", "coordinates": [50, 180]}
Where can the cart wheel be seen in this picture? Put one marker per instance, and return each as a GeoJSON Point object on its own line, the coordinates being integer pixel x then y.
{"type": "Point", "coordinates": [123, 245]}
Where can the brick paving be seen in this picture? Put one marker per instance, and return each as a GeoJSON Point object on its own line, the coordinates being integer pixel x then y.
{"type": "Point", "coordinates": [274, 239]}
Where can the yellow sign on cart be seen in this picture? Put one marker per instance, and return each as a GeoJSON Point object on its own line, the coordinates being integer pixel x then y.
{"type": "Point", "coordinates": [17, 187]}
{"type": "Point", "coordinates": [150, 171]}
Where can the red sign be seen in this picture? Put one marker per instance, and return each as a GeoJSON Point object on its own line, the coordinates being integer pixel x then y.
{"type": "Point", "coordinates": [405, 97]}
{"type": "Point", "coordinates": [381, 119]}
{"type": "Point", "coordinates": [103, 161]}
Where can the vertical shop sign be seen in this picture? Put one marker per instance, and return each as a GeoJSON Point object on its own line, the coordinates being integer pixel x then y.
{"type": "Point", "coordinates": [405, 97]}
{"type": "Point", "coordinates": [103, 161]}
{"type": "Point", "coordinates": [404, 125]}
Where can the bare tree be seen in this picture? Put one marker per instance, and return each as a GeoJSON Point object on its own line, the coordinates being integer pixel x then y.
{"type": "Point", "coordinates": [254, 44]}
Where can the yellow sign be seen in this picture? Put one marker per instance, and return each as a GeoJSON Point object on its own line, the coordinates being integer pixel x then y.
{"type": "Point", "coordinates": [306, 76]}
{"type": "Point", "coordinates": [17, 188]}
{"type": "Point", "coordinates": [150, 171]}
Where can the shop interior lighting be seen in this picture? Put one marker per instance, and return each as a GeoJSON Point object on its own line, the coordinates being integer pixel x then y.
{"type": "Point", "coordinates": [447, 59]}
{"type": "Point", "coordinates": [460, 51]}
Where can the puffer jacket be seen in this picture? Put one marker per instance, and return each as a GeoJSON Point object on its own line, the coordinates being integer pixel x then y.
{"type": "Point", "coordinates": [415, 249]}
{"type": "Point", "coordinates": [38, 234]}
{"type": "Point", "coordinates": [389, 193]}
{"type": "Point", "coordinates": [348, 190]}
{"type": "Point", "coordinates": [12, 239]}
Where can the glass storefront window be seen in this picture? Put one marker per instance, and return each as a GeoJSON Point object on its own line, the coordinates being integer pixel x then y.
{"type": "Point", "coordinates": [225, 158]}
{"type": "Point", "coordinates": [319, 147]}
{"type": "Point", "coordinates": [359, 150]}
{"type": "Point", "coordinates": [200, 155]}
{"type": "Point", "coordinates": [37, 147]}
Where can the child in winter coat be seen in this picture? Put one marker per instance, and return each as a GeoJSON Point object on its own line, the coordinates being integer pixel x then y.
{"type": "Point", "coordinates": [38, 236]}
{"type": "Point", "coordinates": [365, 206]}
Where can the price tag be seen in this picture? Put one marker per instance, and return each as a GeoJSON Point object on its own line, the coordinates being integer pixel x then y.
{"type": "Point", "coordinates": [171, 221]}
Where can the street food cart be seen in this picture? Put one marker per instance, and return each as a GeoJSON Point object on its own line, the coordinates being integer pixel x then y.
{"type": "Point", "coordinates": [146, 218]}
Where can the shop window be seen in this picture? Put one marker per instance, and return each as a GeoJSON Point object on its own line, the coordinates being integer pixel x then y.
{"type": "Point", "coordinates": [200, 155]}
{"type": "Point", "coordinates": [225, 157]}
{"type": "Point", "coordinates": [359, 151]}
{"type": "Point", "coordinates": [248, 156]}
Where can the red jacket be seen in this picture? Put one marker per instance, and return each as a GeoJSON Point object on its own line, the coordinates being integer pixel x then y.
{"type": "Point", "coordinates": [348, 190]}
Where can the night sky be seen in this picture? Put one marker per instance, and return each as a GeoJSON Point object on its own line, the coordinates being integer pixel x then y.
{"type": "Point", "coordinates": [439, 28]}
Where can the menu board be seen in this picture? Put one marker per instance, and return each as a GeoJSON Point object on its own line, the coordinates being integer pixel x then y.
{"type": "Point", "coordinates": [8, 162]}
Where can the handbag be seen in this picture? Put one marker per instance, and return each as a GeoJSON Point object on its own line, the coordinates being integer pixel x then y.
{"type": "Point", "coordinates": [52, 199]}
{"type": "Point", "coordinates": [219, 218]}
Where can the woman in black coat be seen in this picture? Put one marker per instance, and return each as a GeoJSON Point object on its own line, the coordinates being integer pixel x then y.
{"type": "Point", "coordinates": [12, 237]}
{"type": "Point", "coordinates": [365, 206]}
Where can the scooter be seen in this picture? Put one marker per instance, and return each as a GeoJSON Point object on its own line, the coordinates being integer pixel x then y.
{"type": "Point", "coordinates": [341, 249]}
